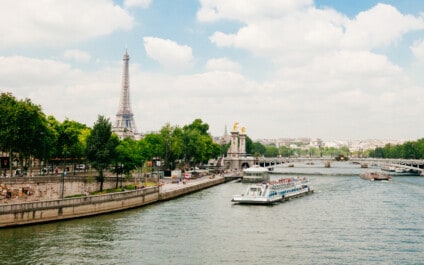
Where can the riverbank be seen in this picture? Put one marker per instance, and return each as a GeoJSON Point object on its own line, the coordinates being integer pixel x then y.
{"type": "Point", "coordinates": [55, 210]}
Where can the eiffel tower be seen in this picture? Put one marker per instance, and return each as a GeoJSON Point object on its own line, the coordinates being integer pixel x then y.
{"type": "Point", "coordinates": [125, 125]}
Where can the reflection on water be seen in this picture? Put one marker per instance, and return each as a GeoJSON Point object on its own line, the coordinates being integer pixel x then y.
{"type": "Point", "coordinates": [346, 220]}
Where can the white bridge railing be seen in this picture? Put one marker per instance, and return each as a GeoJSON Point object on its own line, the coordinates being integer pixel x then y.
{"type": "Point", "coordinates": [409, 164]}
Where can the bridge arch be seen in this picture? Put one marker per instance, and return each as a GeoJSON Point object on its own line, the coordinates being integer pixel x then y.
{"type": "Point", "coordinates": [245, 164]}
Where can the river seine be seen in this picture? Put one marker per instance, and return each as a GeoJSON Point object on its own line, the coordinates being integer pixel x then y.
{"type": "Point", "coordinates": [346, 221]}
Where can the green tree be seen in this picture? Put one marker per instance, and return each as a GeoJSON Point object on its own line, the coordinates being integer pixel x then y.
{"type": "Point", "coordinates": [271, 151]}
{"type": "Point", "coordinates": [101, 147]}
{"type": "Point", "coordinates": [249, 145]}
{"type": "Point", "coordinates": [69, 141]}
{"type": "Point", "coordinates": [199, 126]}
{"type": "Point", "coordinates": [285, 151]}
{"type": "Point", "coordinates": [258, 149]}
{"type": "Point", "coordinates": [128, 157]}
{"type": "Point", "coordinates": [23, 127]}
{"type": "Point", "coordinates": [192, 146]}
{"type": "Point", "coordinates": [197, 145]}
{"type": "Point", "coordinates": [171, 140]}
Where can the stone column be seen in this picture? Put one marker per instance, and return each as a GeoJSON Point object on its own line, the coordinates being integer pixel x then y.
{"type": "Point", "coordinates": [242, 147]}
{"type": "Point", "coordinates": [233, 152]}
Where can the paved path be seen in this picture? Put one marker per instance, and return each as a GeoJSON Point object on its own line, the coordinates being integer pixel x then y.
{"type": "Point", "coordinates": [168, 186]}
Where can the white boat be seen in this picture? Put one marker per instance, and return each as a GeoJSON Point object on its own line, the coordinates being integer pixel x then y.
{"type": "Point", "coordinates": [255, 174]}
{"type": "Point", "coordinates": [274, 191]}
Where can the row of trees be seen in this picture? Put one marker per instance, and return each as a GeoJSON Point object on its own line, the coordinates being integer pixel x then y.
{"type": "Point", "coordinates": [408, 150]}
{"type": "Point", "coordinates": [27, 135]}
{"type": "Point", "coordinates": [258, 149]}
{"type": "Point", "coordinates": [183, 147]}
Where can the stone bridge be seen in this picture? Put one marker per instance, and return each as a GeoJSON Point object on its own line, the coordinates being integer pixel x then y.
{"type": "Point", "coordinates": [416, 165]}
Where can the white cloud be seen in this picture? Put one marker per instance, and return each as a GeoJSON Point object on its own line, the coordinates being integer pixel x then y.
{"type": "Point", "coordinates": [51, 23]}
{"type": "Point", "coordinates": [137, 3]}
{"type": "Point", "coordinates": [222, 64]}
{"type": "Point", "coordinates": [60, 89]}
{"type": "Point", "coordinates": [327, 71]}
{"type": "Point", "coordinates": [168, 53]}
{"type": "Point", "coordinates": [77, 55]}
{"type": "Point", "coordinates": [291, 38]}
{"type": "Point", "coordinates": [212, 10]}
{"type": "Point", "coordinates": [380, 26]}
{"type": "Point", "coordinates": [36, 71]}
{"type": "Point", "coordinates": [321, 79]}
{"type": "Point", "coordinates": [298, 36]}
{"type": "Point", "coordinates": [418, 49]}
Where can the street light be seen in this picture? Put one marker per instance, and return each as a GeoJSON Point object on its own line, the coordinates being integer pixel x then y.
{"type": "Point", "coordinates": [63, 177]}
{"type": "Point", "coordinates": [157, 163]}
{"type": "Point", "coordinates": [121, 170]}
{"type": "Point", "coordinates": [154, 164]}
{"type": "Point", "coordinates": [140, 173]}
{"type": "Point", "coordinates": [44, 153]}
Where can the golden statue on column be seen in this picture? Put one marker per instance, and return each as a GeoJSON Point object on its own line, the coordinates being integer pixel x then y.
{"type": "Point", "coordinates": [235, 127]}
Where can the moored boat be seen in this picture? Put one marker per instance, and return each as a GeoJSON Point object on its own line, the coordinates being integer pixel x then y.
{"type": "Point", "coordinates": [274, 191]}
{"type": "Point", "coordinates": [255, 174]}
{"type": "Point", "coordinates": [376, 176]}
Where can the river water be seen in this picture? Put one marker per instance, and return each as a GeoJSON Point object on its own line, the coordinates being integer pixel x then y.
{"type": "Point", "coordinates": [346, 221]}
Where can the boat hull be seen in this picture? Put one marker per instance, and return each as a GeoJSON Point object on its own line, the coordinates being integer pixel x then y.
{"type": "Point", "coordinates": [254, 179]}
{"type": "Point", "coordinates": [258, 200]}
{"type": "Point", "coordinates": [299, 193]}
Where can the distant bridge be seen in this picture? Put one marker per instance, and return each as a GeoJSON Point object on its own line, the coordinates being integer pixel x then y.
{"type": "Point", "coordinates": [388, 164]}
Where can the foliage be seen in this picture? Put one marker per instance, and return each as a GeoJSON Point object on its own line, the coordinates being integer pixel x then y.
{"type": "Point", "coordinates": [70, 143]}
{"type": "Point", "coordinates": [271, 151]}
{"type": "Point", "coordinates": [407, 150]}
{"type": "Point", "coordinates": [101, 146]}
{"type": "Point", "coordinates": [128, 154]}
{"type": "Point", "coordinates": [197, 145]}
{"type": "Point", "coordinates": [24, 127]}
{"type": "Point", "coordinates": [258, 149]}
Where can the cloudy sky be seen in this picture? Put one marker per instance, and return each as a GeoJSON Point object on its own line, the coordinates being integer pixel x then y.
{"type": "Point", "coordinates": [281, 68]}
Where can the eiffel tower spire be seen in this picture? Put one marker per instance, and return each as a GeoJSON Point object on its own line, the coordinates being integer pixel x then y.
{"type": "Point", "coordinates": [125, 125]}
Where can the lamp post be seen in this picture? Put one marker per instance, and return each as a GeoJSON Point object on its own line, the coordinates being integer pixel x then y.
{"type": "Point", "coordinates": [140, 173]}
{"type": "Point", "coordinates": [157, 172]}
{"type": "Point", "coordinates": [44, 154]}
{"type": "Point", "coordinates": [121, 170]}
{"type": "Point", "coordinates": [63, 177]}
{"type": "Point", "coordinates": [154, 164]}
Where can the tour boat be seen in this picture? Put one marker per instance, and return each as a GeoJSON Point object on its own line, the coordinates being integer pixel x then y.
{"type": "Point", "coordinates": [255, 174]}
{"type": "Point", "coordinates": [274, 191]}
{"type": "Point", "coordinates": [376, 176]}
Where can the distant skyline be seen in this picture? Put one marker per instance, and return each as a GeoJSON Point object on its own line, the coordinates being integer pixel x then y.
{"type": "Point", "coordinates": [326, 69]}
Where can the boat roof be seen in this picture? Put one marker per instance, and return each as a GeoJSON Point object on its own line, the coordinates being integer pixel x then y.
{"type": "Point", "coordinates": [255, 169]}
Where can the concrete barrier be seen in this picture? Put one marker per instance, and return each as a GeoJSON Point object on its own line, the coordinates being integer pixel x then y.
{"type": "Point", "coordinates": [56, 210]}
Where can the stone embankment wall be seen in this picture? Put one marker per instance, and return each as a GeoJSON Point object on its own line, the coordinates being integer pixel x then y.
{"type": "Point", "coordinates": [50, 187]}
{"type": "Point", "coordinates": [56, 210]}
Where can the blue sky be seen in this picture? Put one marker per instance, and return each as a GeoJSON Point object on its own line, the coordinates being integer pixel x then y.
{"type": "Point", "coordinates": [329, 69]}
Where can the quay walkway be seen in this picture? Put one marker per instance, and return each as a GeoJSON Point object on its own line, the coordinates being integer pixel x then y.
{"type": "Point", "coordinates": [18, 214]}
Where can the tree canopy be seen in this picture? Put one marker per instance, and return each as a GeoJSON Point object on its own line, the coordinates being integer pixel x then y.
{"type": "Point", "coordinates": [407, 150]}
{"type": "Point", "coordinates": [101, 146]}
